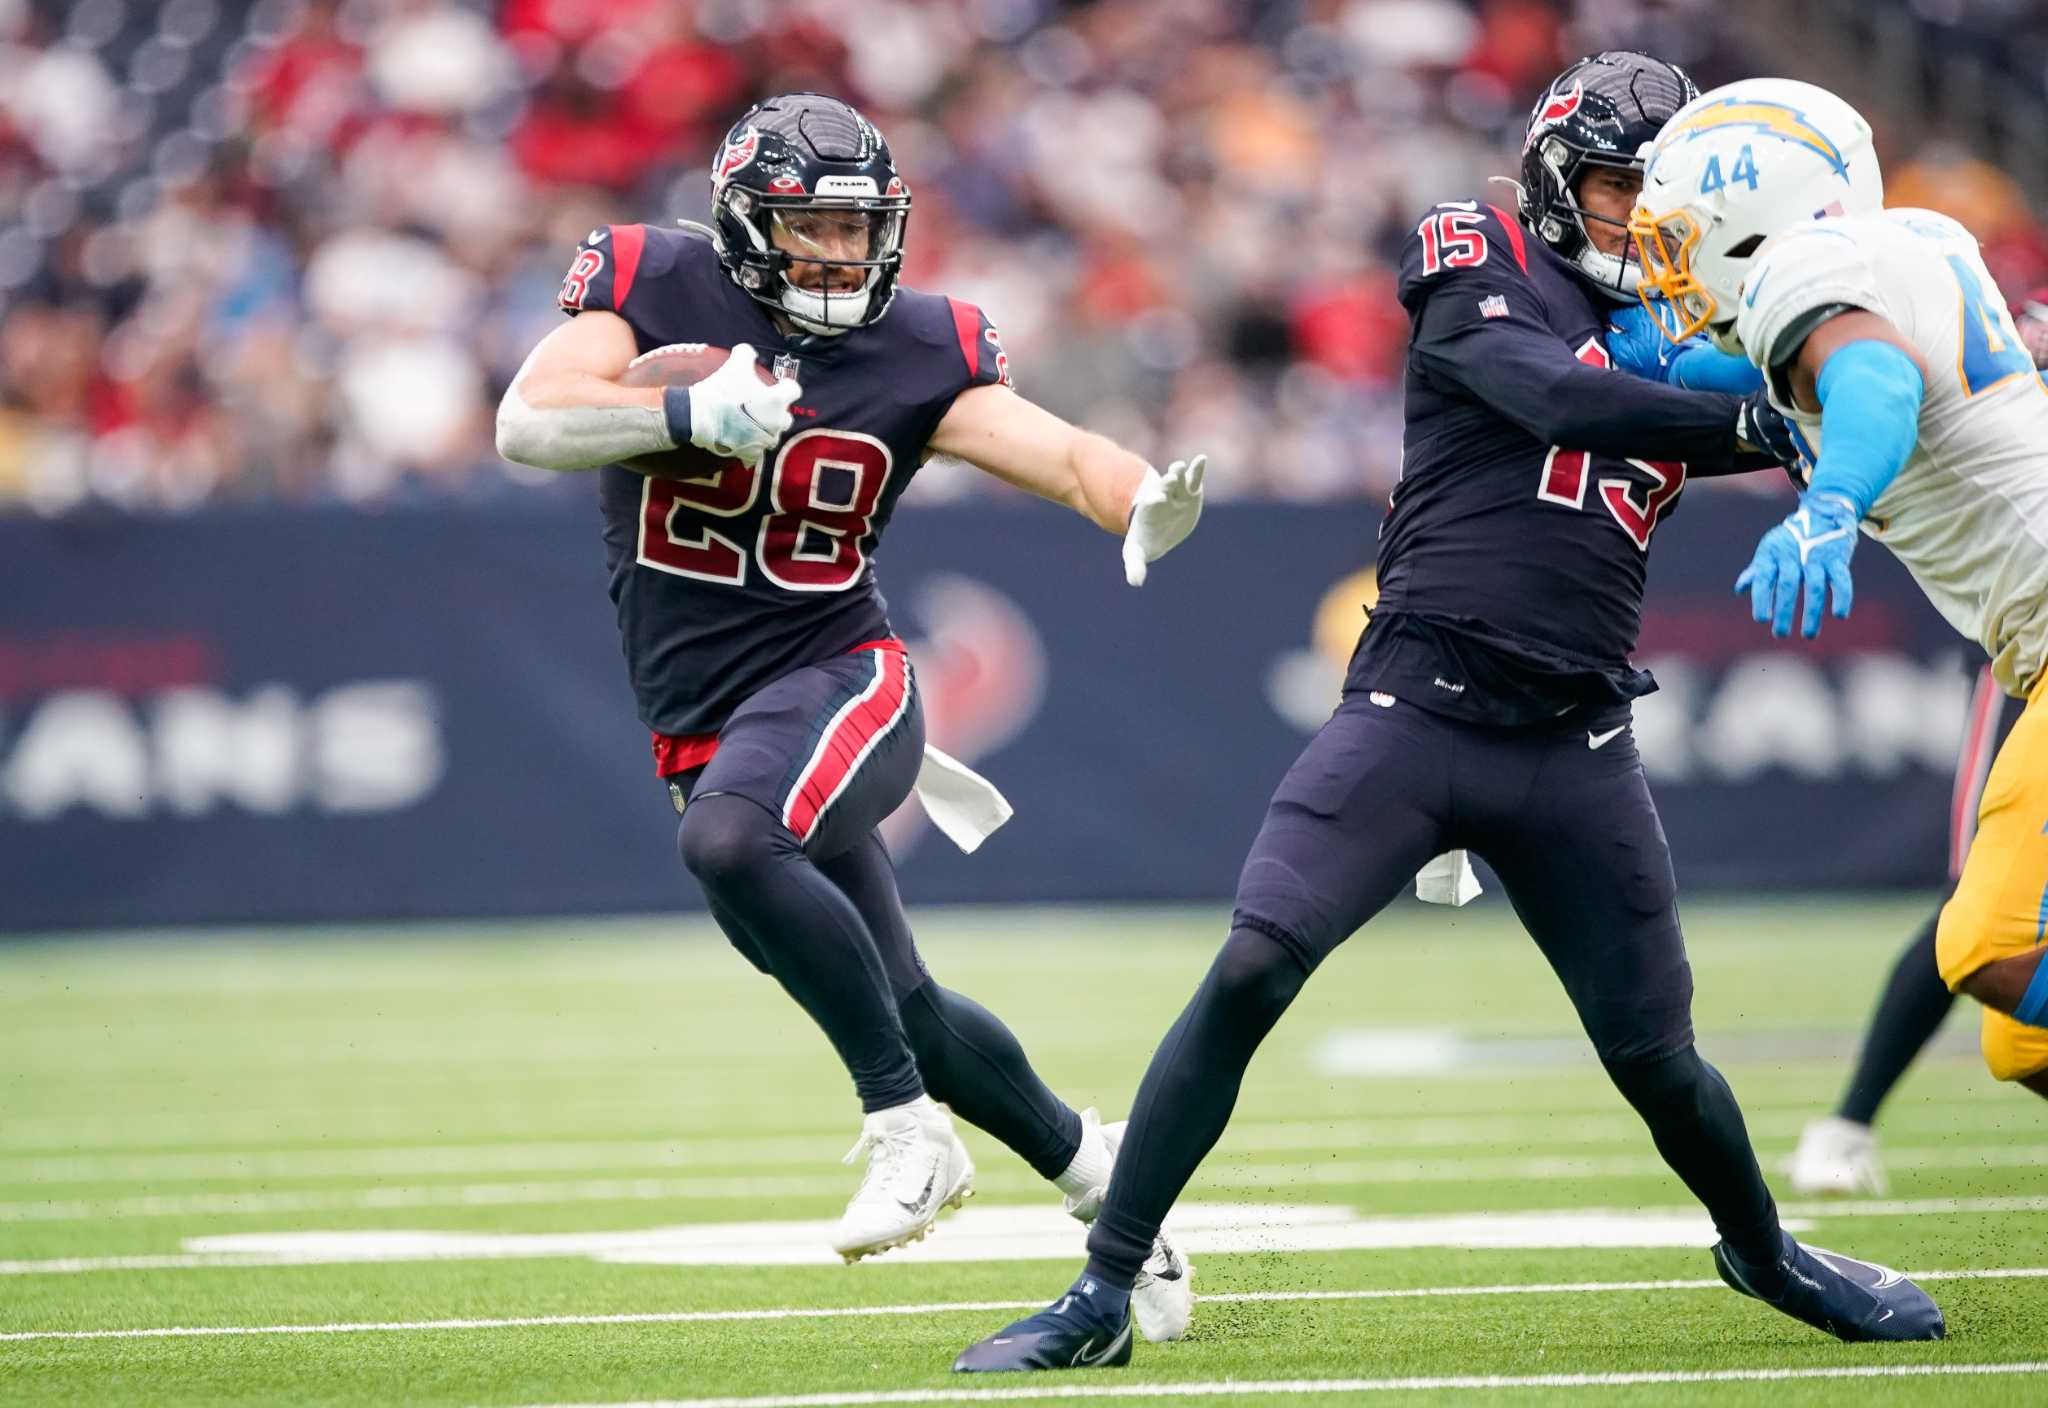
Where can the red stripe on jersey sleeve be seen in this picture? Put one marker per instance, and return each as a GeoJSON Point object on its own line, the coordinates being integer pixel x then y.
{"type": "Point", "coordinates": [967, 323]}
{"type": "Point", "coordinates": [627, 242]}
{"type": "Point", "coordinates": [1514, 236]}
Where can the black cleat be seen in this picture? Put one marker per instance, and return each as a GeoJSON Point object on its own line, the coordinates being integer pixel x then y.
{"type": "Point", "coordinates": [1850, 1299]}
{"type": "Point", "coordinates": [1087, 1328]}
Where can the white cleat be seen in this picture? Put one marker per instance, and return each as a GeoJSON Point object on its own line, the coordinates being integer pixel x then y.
{"type": "Point", "coordinates": [917, 1168]}
{"type": "Point", "coordinates": [1163, 1297]}
{"type": "Point", "coordinates": [1836, 1156]}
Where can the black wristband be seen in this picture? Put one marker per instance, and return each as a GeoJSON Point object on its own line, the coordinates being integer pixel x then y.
{"type": "Point", "coordinates": [675, 407]}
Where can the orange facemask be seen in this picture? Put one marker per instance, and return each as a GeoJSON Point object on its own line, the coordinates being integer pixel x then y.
{"type": "Point", "coordinates": [1677, 302]}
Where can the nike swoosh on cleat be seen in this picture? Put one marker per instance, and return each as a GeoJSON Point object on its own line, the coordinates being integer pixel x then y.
{"type": "Point", "coordinates": [1886, 1316]}
{"type": "Point", "coordinates": [1084, 1360]}
{"type": "Point", "coordinates": [917, 1204]}
{"type": "Point", "coordinates": [1598, 741]}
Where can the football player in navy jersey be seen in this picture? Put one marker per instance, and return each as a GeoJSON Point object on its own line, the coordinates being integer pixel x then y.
{"type": "Point", "coordinates": [1487, 707]}
{"type": "Point", "coordinates": [785, 714]}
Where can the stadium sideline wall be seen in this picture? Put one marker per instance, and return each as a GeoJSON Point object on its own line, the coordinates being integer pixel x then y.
{"type": "Point", "coordinates": [309, 714]}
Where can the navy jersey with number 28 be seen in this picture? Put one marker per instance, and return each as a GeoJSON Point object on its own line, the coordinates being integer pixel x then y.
{"type": "Point", "coordinates": [1511, 562]}
{"type": "Point", "coordinates": [727, 582]}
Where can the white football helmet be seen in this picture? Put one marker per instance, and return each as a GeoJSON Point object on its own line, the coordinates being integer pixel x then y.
{"type": "Point", "coordinates": [1729, 170]}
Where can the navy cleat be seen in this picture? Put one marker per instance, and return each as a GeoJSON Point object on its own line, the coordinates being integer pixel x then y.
{"type": "Point", "coordinates": [1087, 1328]}
{"type": "Point", "coordinates": [1850, 1299]}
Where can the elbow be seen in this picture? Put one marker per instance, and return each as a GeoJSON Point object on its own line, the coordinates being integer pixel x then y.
{"type": "Point", "coordinates": [1556, 425]}
{"type": "Point", "coordinates": [512, 442]}
{"type": "Point", "coordinates": [520, 436]}
{"type": "Point", "coordinates": [514, 434]}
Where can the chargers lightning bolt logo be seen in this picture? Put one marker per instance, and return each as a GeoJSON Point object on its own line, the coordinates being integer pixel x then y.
{"type": "Point", "coordinates": [1787, 124]}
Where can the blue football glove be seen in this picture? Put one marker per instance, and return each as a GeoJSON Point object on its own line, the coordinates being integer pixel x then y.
{"type": "Point", "coordinates": [1637, 344]}
{"type": "Point", "coordinates": [1803, 559]}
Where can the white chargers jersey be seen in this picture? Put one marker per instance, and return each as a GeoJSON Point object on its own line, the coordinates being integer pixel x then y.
{"type": "Point", "coordinates": [1968, 514]}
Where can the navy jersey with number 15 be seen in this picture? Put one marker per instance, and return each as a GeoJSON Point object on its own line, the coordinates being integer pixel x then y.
{"type": "Point", "coordinates": [727, 582]}
{"type": "Point", "coordinates": [1512, 558]}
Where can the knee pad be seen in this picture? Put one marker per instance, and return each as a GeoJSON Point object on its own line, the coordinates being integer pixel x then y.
{"type": "Point", "coordinates": [723, 838]}
{"type": "Point", "coordinates": [1257, 974]}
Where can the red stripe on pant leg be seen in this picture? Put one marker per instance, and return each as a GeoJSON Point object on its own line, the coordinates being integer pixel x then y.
{"type": "Point", "coordinates": [845, 746]}
{"type": "Point", "coordinates": [843, 750]}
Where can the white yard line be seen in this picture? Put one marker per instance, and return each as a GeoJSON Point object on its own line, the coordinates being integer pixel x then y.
{"type": "Point", "coordinates": [1360, 1136]}
{"type": "Point", "coordinates": [1540, 1168]}
{"type": "Point", "coordinates": [1226, 1173]}
{"type": "Point", "coordinates": [1231, 1388]}
{"type": "Point", "coordinates": [517, 1249]}
{"type": "Point", "coordinates": [144, 1135]}
{"type": "Point", "coordinates": [680, 1317]}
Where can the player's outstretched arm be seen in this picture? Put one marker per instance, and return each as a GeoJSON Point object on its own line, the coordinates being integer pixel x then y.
{"type": "Point", "coordinates": [1867, 381]}
{"type": "Point", "coordinates": [996, 430]}
{"type": "Point", "coordinates": [566, 410]}
{"type": "Point", "coordinates": [1639, 346]}
{"type": "Point", "coordinates": [1521, 369]}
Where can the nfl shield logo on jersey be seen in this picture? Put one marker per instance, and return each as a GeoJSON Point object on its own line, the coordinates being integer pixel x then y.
{"type": "Point", "coordinates": [784, 366]}
{"type": "Point", "coordinates": [1494, 305]}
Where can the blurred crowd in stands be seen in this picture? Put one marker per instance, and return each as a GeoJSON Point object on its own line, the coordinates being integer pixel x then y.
{"type": "Point", "coordinates": [297, 248]}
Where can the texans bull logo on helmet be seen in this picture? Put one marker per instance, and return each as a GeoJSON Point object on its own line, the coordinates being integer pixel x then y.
{"type": "Point", "coordinates": [736, 153]}
{"type": "Point", "coordinates": [1556, 108]}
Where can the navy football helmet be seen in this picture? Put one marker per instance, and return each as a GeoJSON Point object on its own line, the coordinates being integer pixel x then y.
{"type": "Point", "coordinates": [1602, 111]}
{"type": "Point", "coordinates": [804, 182]}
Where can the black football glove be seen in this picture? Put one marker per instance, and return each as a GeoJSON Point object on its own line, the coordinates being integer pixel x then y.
{"type": "Point", "coordinates": [1759, 425]}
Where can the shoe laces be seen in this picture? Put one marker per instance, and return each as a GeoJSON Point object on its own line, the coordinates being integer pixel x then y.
{"type": "Point", "coordinates": [890, 1148]}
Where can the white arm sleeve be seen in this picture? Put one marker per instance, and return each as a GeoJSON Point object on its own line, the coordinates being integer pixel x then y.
{"type": "Point", "coordinates": [578, 437]}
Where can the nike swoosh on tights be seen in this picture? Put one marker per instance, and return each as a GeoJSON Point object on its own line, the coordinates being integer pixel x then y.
{"type": "Point", "coordinates": [1601, 740]}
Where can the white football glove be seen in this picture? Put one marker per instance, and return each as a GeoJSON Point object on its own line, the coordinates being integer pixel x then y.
{"type": "Point", "coordinates": [1163, 511]}
{"type": "Point", "coordinates": [734, 415]}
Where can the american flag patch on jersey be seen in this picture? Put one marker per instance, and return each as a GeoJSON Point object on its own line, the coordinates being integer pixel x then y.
{"type": "Point", "coordinates": [1494, 305]}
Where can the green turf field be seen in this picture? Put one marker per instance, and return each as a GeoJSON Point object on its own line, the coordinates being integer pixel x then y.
{"type": "Point", "coordinates": [207, 1146]}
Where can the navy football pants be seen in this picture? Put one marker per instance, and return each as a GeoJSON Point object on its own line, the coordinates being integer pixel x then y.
{"type": "Point", "coordinates": [779, 830]}
{"type": "Point", "coordinates": [1563, 815]}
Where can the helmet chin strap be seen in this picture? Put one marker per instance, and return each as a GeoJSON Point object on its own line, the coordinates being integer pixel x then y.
{"type": "Point", "coordinates": [1616, 276]}
{"type": "Point", "coordinates": [810, 310]}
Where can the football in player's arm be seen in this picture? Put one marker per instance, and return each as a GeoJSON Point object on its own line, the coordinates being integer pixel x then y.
{"type": "Point", "coordinates": [566, 410]}
{"type": "Point", "coordinates": [783, 710]}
